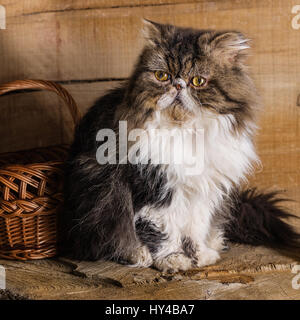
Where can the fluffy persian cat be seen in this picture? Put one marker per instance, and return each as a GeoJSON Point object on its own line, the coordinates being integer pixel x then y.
{"type": "Point", "coordinates": [148, 213]}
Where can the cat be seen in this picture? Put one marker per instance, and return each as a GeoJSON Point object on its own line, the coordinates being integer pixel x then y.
{"type": "Point", "coordinates": [146, 213]}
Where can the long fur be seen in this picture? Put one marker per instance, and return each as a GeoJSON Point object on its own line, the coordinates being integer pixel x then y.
{"type": "Point", "coordinates": [151, 213]}
{"type": "Point", "coordinates": [258, 219]}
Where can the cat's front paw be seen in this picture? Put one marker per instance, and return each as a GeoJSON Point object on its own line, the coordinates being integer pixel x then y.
{"type": "Point", "coordinates": [206, 256]}
{"type": "Point", "coordinates": [141, 257]}
{"type": "Point", "coordinates": [173, 263]}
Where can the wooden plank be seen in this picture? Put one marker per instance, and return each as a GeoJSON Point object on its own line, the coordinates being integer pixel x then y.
{"type": "Point", "coordinates": [30, 7]}
{"type": "Point", "coordinates": [243, 272]}
{"type": "Point", "coordinates": [114, 273]}
{"type": "Point", "coordinates": [45, 279]}
{"type": "Point", "coordinates": [240, 259]}
{"type": "Point", "coordinates": [104, 43]}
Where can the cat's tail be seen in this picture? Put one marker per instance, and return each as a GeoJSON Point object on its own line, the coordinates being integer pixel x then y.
{"type": "Point", "coordinates": [258, 219]}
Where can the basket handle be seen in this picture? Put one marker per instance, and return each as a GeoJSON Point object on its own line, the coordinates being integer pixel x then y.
{"type": "Point", "coordinates": [44, 85]}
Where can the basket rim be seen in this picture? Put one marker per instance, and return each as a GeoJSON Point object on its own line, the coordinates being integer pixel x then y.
{"type": "Point", "coordinates": [36, 84]}
{"type": "Point", "coordinates": [30, 165]}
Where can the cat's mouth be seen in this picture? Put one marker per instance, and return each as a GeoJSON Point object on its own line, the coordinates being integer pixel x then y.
{"type": "Point", "coordinates": [180, 101]}
{"type": "Point", "coordinates": [177, 98]}
{"type": "Point", "coordinates": [177, 102]}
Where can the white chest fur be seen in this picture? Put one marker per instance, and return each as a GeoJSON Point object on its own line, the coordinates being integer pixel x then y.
{"type": "Point", "coordinates": [227, 158]}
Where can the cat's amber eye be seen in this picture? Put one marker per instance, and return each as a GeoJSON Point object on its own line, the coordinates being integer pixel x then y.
{"type": "Point", "coordinates": [161, 75]}
{"type": "Point", "coordinates": [198, 81]}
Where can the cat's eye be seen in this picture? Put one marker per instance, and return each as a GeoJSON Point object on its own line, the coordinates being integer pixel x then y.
{"type": "Point", "coordinates": [161, 75]}
{"type": "Point", "coordinates": [198, 81]}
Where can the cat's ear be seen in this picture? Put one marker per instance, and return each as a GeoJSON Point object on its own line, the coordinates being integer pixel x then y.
{"type": "Point", "coordinates": [152, 31]}
{"type": "Point", "coordinates": [229, 46]}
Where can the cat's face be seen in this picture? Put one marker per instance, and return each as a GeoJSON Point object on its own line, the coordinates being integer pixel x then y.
{"type": "Point", "coordinates": [184, 71]}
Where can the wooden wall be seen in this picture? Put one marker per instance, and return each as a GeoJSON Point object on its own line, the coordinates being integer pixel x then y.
{"type": "Point", "coordinates": [91, 45]}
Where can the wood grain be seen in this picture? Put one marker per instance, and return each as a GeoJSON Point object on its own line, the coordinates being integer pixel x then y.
{"type": "Point", "coordinates": [242, 273]}
{"type": "Point", "coordinates": [104, 43]}
{"type": "Point", "coordinates": [93, 44]}
{"type": "Point", "coordinates": [37, 6]}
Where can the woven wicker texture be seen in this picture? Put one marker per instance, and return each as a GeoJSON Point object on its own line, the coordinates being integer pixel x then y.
{"type": "Point", "coordinates": [31, 185]}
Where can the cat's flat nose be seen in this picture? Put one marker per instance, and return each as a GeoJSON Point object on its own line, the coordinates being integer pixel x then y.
{"type": "Point", "coordinates": [179, 84]}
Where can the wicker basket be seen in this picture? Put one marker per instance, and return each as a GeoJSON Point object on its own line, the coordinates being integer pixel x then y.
{"type": "Point", "coordinates": [31, 189]}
